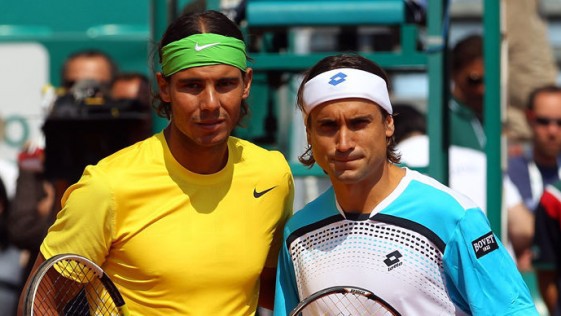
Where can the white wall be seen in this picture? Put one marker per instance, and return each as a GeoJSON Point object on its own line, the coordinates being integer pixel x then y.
{"type": "Point", "coordinates": [24, 71]}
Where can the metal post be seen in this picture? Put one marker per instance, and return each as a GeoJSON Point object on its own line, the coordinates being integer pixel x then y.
{"type": "Point", "coordinates": [437, 117]}
{"type": "Point", "coordinates": [213, 5]}
{"type": "Point", "coordinates": [492, 110]}
{"type": "Point", "coordinates": [159, 20]}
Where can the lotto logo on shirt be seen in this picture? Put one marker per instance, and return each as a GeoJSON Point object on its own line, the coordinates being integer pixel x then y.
{"type": "Point", "coordinates": [484, 245]}
{"type": "Point", "coordinates": [392, 260]}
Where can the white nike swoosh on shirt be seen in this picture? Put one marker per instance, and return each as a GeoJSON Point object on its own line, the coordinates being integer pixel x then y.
{"type": "Point", "coordinates": [200, 48]}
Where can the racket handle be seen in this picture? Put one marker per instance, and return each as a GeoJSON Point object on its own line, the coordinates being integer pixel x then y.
{"type": "Point", "coordinates": [123, 310]}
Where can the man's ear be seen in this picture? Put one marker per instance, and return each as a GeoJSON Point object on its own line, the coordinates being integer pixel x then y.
{"type": "Point", "coordinates": [308, 137]}
{"type": "Point", "coordinates": [248, 79]}
{"type": "Point", "coordinates": [163, 86]}
{"type": "Point", "coordinates": [390, 126]}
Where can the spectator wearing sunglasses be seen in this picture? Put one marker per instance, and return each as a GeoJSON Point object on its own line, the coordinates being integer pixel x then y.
{"type": "Point", "coordinates": [546, 245]}
{"type": "Point", "coordinates": [531, 64]}
{"type": "Point", "coordinates": [466, 106]}
{"type": "Point", "coordinates": [540, 163]}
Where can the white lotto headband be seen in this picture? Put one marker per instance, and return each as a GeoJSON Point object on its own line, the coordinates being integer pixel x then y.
{"type": "Point", "coordinates": [345, 83]}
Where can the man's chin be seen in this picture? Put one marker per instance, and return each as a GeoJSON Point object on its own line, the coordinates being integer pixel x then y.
{"type": "Point", "coordinates": [553, 153]}
{"type": "Point", "coordinates": [344, 176]}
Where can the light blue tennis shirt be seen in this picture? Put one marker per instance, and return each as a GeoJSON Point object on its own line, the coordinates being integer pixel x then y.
{"type": "Point", "coordinates": [425, 250]}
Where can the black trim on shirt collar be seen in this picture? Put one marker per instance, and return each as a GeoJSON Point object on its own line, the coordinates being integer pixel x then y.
{"type": "Point", "coordinates": [308, 228]}
{"type": "Point", "coordinates": [357, 216]}
{"type": "Point", "coordinates": [384, 218]}
{"type": "Point", "coordinates": [411, 225]}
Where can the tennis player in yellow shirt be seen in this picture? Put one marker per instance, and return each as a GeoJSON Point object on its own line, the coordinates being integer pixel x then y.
{"type": "Point", "coordinates": [188, 221]}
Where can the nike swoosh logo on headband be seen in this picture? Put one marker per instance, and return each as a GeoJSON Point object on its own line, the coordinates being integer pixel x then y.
{"type": "Point", "coordinates": [200, 48]}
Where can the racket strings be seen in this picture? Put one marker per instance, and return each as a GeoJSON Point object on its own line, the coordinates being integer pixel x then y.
{"type": "Point", "coordinates": [75, 289]}
{"type": "Point", "coordinates": [347, 304]}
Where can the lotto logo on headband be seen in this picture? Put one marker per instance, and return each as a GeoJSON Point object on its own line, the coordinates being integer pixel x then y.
{"type": "Point", "coordinates": [337, 79]}
{"type": "Point", "coordinates": [358, 84]}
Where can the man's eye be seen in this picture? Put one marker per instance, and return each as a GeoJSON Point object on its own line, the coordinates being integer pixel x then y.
{"type": "Point", "coordinates": [227, 83]}
{"type": "Point", "coordinates": [191, 85]}
{"type": "Point", "coordinates": [327, 125]}
{"type": "Point", "coordinates": [359, 123]}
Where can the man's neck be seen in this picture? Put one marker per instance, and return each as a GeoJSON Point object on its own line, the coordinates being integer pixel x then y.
{"type": "Point", "coordinates": [544, 160]}
{"type": "Point", "coordinates": [363, 197]}
{"type": "Point", "coordinates": [197, 159]}
{"type": "Point", "coordinates": [476, 109]}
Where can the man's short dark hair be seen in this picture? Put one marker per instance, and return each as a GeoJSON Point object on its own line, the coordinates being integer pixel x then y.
{"type": "Point", "coordinates": [544, 89]}
{"type": "Point", "coordinates": [466, 51]}
{"type": "Point", "coordinates": [88, 53]}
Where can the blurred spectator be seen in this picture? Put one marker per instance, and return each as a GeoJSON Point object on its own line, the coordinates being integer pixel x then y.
{"type": "Point", "coordinates": [520, 226]}
{"type": "Point", "coordinates": [131, 86]}
{"type": "Point", "coordinates": [9, 174]}
{"type": "Point", "coordinates": [412, 122]}
{"type": "Point", "coordinates": [531, 64]}
{"type": "Point", "coordinates": [33, 208]}
{"type": "Point", "coordinates": [37, 197]}
{"type": "Point", "coordinates": [466, 106]}
{"type": "Point", "coordinates": [467, 160]}
{"type": "Point", "coordinates": [8, 168]}
{"type": "Point", "coordinates": [540, 164]}
{"type": "Point", "coordinates": [547, 247]}
{"type": "Point", "coordinates": [88, 64]}
{"type": "Point", "coordinates": [466, 165]}
{"type": "Point", "coordinates": [411, 136]}
{"type": "Point", "coordinates": [467, 175]}
{"type": "Point", "coordinates": [10, 262]}
{"type": "Point", "coordinates": [133, 89]}
{"type": "Point", "coordinates": [87, 76]}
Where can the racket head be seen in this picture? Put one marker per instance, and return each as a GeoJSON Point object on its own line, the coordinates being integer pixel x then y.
{"type": "Point", "coordinates": [70, 284]}
{"type": "Point", "coordinates": [343, 300]}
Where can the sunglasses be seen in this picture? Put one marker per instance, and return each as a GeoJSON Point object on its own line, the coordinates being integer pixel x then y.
{"type": "Point", "coordinates": [67, 84]}
{"type": "Point", "coordinates": [544, 121]}
{"type": "Point", "coordinates": [474, 80]}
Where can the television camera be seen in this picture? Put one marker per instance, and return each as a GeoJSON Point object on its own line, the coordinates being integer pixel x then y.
{"type": "Point", "coordinates": [85, 125]}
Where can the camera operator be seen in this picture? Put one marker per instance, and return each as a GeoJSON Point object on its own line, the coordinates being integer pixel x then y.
{"type": "Point", "coordinates": [89, 64]}
{"type": "Point", "coordinates": [85, 74]}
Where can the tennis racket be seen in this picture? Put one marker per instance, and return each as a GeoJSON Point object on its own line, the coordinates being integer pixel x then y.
{"type": "Point", "coordinates": [70, 284]}
{"type": "Point", "coordinates": [343, 300]}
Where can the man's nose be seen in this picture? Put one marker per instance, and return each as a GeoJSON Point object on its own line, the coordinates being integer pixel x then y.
{"type": "Point", "coordinates": [209, 99]}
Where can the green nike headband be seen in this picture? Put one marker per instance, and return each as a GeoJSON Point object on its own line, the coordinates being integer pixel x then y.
{"type": "Point", "coordinates": [203, 50]}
